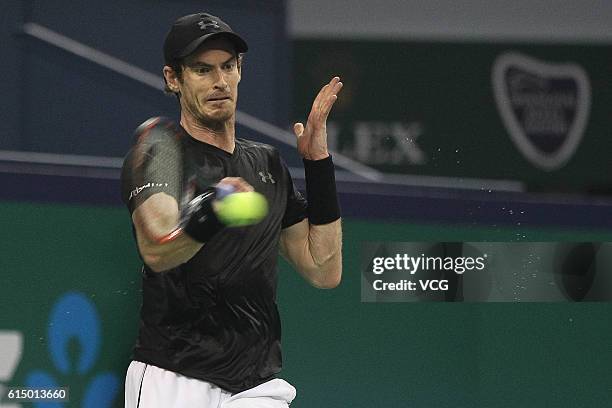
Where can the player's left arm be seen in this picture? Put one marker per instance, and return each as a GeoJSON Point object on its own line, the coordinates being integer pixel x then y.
{"type": "Point", "coordinates": [314, 245]}
{"type": "Point", "coordinates": [315, 251]}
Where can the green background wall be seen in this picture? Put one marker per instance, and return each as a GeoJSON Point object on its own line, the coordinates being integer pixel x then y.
{"type": "Point", "coordinates": [338, 352]}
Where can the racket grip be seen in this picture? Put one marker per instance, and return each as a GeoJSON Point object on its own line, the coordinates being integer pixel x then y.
{"type": "Point", "coordinates": [201, 221]}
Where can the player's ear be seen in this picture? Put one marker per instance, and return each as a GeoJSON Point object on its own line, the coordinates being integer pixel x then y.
{"type": "Point", "coordinates": [172, 79]}
{"type": "Point", "coordinates": [239, 65]}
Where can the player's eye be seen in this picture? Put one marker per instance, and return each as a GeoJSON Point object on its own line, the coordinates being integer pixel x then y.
{"type": "Point", "coordinates": [229, 66]}
{"type": "Point", "coordinates": [201, 70]}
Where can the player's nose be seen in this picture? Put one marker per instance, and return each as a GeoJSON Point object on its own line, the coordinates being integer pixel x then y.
{"type": "Point", "coordinates": [220, 79]}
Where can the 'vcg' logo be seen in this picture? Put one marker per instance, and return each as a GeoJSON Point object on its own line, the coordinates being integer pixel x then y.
{"type": "Point", "coordinates": [543, 106]}
{"type": "Point", "coordinates": [74, 318]}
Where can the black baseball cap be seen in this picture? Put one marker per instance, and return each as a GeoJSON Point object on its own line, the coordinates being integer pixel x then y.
{"type": "Point", "coordinates": [189, 32]}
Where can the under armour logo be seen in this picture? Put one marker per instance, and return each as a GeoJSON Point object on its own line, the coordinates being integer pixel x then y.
{"type": "Point", "coordinates": [266, 177]}
{"type": "Point", "coordinates": [208, 23]}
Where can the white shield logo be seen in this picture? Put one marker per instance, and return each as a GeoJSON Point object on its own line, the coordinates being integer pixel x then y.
{"type": "Point", "coordinates": [544, 106]}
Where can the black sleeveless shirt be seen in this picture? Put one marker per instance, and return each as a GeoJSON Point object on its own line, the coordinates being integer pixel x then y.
{"type": "Point", "coordinates": [215, 317]}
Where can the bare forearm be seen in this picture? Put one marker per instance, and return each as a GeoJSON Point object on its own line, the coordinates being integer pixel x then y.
{"type": "Point", "coordinates": [161, 257]}
{"type": "Point", "coordinates": [325, 243]}
{"type": "Point", "coordinates": [155, 219]}
{"type": "Point", "coordinates": [315, 251]}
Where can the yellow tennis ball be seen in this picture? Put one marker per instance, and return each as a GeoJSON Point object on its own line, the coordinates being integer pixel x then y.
{"type": "Point", "coordinates": [242, 209]}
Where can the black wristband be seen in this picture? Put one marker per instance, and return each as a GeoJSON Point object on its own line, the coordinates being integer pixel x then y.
{"type": "Point", "coordinates": [201, 222]}
{"type": "Point", "coordinates": [323, 206]}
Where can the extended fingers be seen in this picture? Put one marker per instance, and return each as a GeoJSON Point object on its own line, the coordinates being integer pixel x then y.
{"type": "Point", "coordinates": [325, 99]}
{"type": "Point", "coordinates": [335, 85]}
{"type": "Point", "coordinates": [330, 91]}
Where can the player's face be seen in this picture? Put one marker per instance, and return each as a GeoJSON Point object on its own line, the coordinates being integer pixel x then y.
{"type": "Point", "coordinates": [209, 85]}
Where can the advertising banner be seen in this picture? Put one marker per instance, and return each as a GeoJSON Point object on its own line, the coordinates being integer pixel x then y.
{"type": "Point", "coordinates": [534, 113]}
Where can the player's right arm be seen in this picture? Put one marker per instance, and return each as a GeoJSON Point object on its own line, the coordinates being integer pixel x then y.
{"type": "Point", "coordinates": [156, 218]}
{"type": "Point", "coordinates": [167, 234]}
{"type": "Point", "coordinates": [151, 184]}
{"type": "Point", "coordinates": [162, 243]}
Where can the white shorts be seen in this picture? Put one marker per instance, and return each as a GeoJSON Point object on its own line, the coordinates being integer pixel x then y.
{"type": "Point", "coordinates": [148, 386]}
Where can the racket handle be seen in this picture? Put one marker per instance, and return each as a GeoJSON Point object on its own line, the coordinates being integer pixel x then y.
{"type": "Point", "coordinates": [201, 221]}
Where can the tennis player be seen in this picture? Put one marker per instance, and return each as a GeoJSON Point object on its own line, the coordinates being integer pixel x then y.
{"type": "Point", "coordinates": [209, 331]}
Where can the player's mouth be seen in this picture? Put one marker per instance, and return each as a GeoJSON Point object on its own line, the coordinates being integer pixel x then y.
{"type": "Point", "coordinates": [219, 98]}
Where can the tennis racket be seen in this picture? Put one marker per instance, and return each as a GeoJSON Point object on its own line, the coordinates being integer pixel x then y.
{"type": "Point", "coordinates": [157, 166]}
